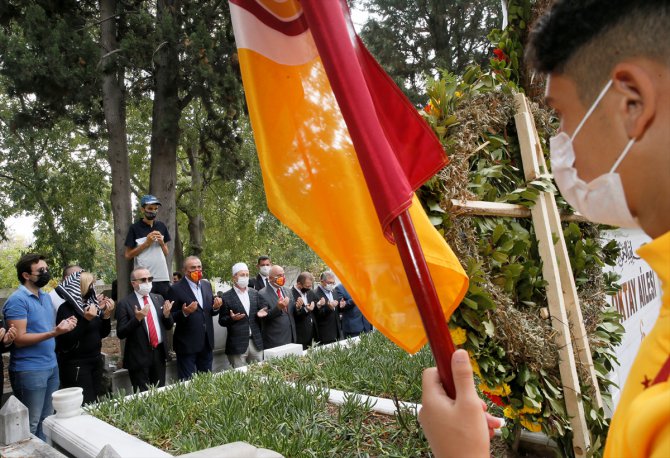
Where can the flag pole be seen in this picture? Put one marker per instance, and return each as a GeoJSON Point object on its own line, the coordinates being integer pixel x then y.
{"type": "Point", "coordinates": [425, 296]}
{"type": "Point", "coordinates": [332, 35]}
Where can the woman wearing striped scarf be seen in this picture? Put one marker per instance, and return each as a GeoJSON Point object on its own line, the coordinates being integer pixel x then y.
{"type": "Point", "coordinates": [80, 362]}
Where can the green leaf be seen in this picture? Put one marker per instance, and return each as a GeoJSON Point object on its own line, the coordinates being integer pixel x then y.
{"type": "Point", "coordinates": [489, 328]}
{"type": "Point", "coordinates": [497, 233]}
{"type": "Point", "coordinates": [435, 220]}
{"type": "Point", "coordinates": [500, 257]}
{"type": "Point", "coordinates": [470, 303]}
{"type": "Point", "coordinates": [435, 207]}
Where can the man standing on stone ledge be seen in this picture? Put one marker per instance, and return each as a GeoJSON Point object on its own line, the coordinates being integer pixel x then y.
{"type": "Point", "coordinates": [146, 243]}
{"type": "Point", "coordinates": [33, 369]}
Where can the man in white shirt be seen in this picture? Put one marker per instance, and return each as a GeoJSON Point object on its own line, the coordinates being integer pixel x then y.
{"type": "Point", "coordinates": [144, 319]}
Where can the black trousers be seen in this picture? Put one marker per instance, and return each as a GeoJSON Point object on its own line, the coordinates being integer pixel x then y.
{"type": "Point", "coordinates": [86, 373]}
{"type": "Point", "coordinates": [154, 374]}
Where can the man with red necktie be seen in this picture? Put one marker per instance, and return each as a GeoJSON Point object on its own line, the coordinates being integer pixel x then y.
{"type": "Point", "coordinates": [143, 319]}
{"type": "Point", "coordinates": [277, 325]}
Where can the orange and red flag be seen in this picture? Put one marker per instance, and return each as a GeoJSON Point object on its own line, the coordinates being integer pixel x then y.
{"type": "Point", "coordinates": [340, 199]}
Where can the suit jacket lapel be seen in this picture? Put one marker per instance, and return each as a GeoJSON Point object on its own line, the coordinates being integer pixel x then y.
{"type": "Point", "coordinates": [236, 299]}
{"type": "Point", "coordinates": [159, 315]}
{"type": "Point", "coordinates": [207, 295]}
{"type": "Point", "coordinates": [189, 292]}
{"type": "Point", "coordinates": [135, 304]}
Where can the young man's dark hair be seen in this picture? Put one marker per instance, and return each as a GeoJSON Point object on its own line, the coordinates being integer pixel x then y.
{"type": "Point", "coordinates": [25, 263]}
{"type": "Point", "coordinates": [304, 276]}
{"type": "Point", "coordinates": [263, 258]}
{"type": "Point", "coordinates": [584, 39]}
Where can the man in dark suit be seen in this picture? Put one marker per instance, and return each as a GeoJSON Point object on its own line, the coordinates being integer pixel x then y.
{"type": "Point", "coordinates": [144, 319]}
{"type": "Point", "coordinates": [194, 307]}
{"type": "Point", "coordinates": [278, 327]}
{"type": "Point", "coordinates": [328, 313]}
{"type": "Point", "coordinates": [262, 279]}
{"type": "Point", "coordinates": [353, 321]}
{"type": "Point", "coordinates": [303, 314]}
{"type": "Point", "coordinates": [244, 343]}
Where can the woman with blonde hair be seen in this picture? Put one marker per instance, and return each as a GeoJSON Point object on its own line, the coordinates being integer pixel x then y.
{"type": "Point", "coordinates": [80, 362]}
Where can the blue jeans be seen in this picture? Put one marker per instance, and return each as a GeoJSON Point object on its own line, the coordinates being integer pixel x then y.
{"type": "Point", "coordinates": [34, 390]}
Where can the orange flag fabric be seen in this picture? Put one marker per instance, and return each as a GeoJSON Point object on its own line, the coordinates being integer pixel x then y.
{"type": "Point", "coordinates": [313, 175]}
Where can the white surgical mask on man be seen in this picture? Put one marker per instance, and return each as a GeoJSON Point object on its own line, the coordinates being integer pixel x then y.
{"type": "Point", "coordinates": [265, 270]}
{"type": "Point", "coordinates": [602, 200]}
{"type": "Point", "coordinates": [144, 288]}
{"type": "Point", "coordinates": [242, 282]}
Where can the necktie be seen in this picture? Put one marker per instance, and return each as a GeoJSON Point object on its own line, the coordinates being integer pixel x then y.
{"type": "Point", "coordinates": [267, 282]}
{"type": "Point", "coordinates": [153, 335]}
{"type": "Point", "coordinates": [279, 293]}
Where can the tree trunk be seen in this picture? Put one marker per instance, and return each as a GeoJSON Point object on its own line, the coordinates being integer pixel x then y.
{"type": "Point", "coordinates": [440, 33]}
{"type": "Point", "coordinates": [165, 119]}
{"type": "Point", "coordinates": [114, 106]}
{"type": "Point", "coordinates": [196, 223]}
{"type": "Point", "coordinates": [178, 258]}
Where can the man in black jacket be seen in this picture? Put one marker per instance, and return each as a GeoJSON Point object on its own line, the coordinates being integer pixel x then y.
{"type": "Point", "coordinates": [194, 307]}
{"type": "Point", "coordinates": [144, 319]}
{"type": "Point", "coordinates": [278, 327]}
{"type": "Point", "coordinates": [303, 314]}
{"type": "Point", "coordinates": [241, 304]}
{"type": "Point", "coordinates": [262, 279]}
{"type": "Point", "coordinates": [328, 311]}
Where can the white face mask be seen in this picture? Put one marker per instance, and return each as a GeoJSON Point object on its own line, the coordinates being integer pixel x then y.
{"type": "Point", "coordinates": [330, 286]}
{"type": "Point", "coordinates": [265, 270]}
{"type": "Point", "coordinates": [144, 288]}
{"type": "Point", "coordinates": [242, 282]}
{"type": "Point", "coordinates": [602, 200]}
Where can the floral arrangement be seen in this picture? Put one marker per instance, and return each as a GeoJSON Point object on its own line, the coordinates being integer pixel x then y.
{"type": "Point", "coordinates": [503, 320]}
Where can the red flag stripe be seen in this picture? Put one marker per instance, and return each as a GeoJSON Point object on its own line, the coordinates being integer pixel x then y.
{"type": "Point", "coordinates": [291, 28]}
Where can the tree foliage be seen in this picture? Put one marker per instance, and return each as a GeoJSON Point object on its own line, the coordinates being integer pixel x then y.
{"type": "Point", "coordinates": [56, 175]}
{"type": "Point", "coordinates": [414, 38]}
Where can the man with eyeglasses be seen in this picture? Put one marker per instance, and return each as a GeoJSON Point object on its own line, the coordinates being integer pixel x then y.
{"type": "Point", "coordinates": [194, 306]}
{"type": "Point", "coordinates": [277, 308]}
{"type": "Point", "coordinates": [33, 369]}
{"type": "Point", "coordinates": [144, 319]}
{"type": "Point", "coordinates": [328, 310]}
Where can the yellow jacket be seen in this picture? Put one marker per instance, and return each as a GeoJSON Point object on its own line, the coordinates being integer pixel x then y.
{"type": "Point", "coordinates": [641, 424]}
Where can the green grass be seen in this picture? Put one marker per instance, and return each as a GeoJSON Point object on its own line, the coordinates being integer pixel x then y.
{"type": "Point", "coordinates": [375, 366]}
{"type": "Point", "coordinates": [265, 412]}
